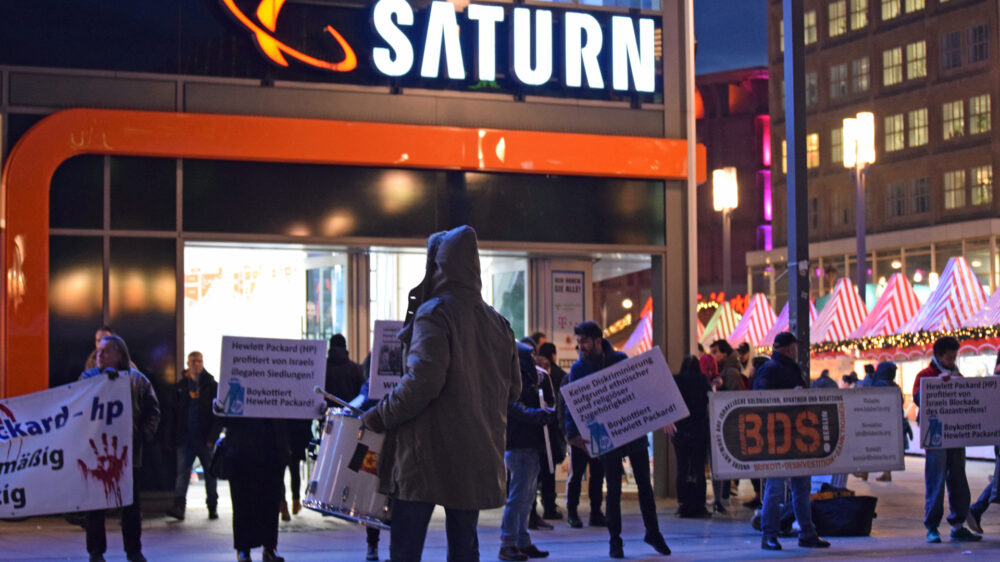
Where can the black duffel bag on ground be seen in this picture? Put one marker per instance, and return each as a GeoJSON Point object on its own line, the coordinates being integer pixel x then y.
{"type": "Point", "coordinates": [846, 516]}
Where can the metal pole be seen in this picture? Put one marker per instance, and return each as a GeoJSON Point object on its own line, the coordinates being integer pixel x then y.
{"type": "Point", "coordinates": [861, 276]}
{"type": "Point", "coordinates": [727, 258]}
{"type": "Point", "coordinates": [795, 135]}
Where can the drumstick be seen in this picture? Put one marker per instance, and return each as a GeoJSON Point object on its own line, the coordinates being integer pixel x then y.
{"type": "Point", "coordinates": [336, 400]}
{"type": "Point", "coordinates": [545, 430]}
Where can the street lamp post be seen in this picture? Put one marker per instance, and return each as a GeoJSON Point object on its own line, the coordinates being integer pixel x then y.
{"type": "Point", "coordinates": [725, 198]}
{"type": "Point", "coordinates": [859, 153]}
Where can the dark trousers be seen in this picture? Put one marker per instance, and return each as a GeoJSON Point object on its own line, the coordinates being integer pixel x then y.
{"type": "Point", "coordinates": [372, 534]}
{"type": "Point", "coordinates": [691, 450]}
{"type": "Point", "coordinates": [295, 480]}
{"type": "Point", "coordinates": [256, 492]}
{"type": "Point", "coordinates": [578, 463]}
{"type": "Point", "coordinates": [547, 485]}
{"type": "Point", "coordinates": [638, 457]}
{"type": "Point", "coordinates": [409, 529]}
{"type": "Point", "coordinates": [185, 460]}
{"type": "Point", "coordinates": [97, 540]}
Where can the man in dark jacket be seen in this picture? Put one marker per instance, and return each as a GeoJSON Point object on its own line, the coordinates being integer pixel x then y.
{"type": "Point", "coordinates": [193, 428]}
{"type": "Point", "coordinates": [446, 419]}
{"type": "Point", "coordinates": [690, 440]}
{"type": "Point", "coordinates": [343, 376]}
{"type": "Point", "coordinates": [597, 353]}
{"type": "Point", "coordinates": [731, 374]}
{"type": "Point", "coordinates": [778, 373]}
{"type": "Point", "coordinates": [525, 448]}
{"type": "Point", "coordinates": [113, 358]}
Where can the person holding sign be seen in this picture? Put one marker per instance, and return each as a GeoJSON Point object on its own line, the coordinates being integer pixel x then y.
{"type": "Point", "coordinates": [782, 372]}
{"type": "Point", "coordinates": [991, 494]}
{"type": "Point", "coordinates": [944, 467]}
{"type": "Point", "coordinates": [446, 420]}
{"type": "Point", "coordinates": [596, 353]}
{"type": "Point", "coordinates": [113, 359]}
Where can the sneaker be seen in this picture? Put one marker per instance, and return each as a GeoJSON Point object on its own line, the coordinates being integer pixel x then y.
{"type": "Point", "coordinates": [597, 519]}
{"type": "Point", "coordinates": [372, 553]}
{"type": "Point", "coordinates": [770, 543]}
{"type": "Point", "coordinates": [964, 535]}
{"type": "Point", "coordinates": [532, 551]}
{"type": "Point", "coordinates": [616, 549]}
{"type": "Point", "coordinates": [656, 541]}
{"type": "Point", "coordinates": [243, 556]}
{"type": "Point", "coordinates": [718, 508]}
{"type": "Point", "coordinates": [972, 521]}
{"type": "Point", "coordinates": [933, 536]}
{"type": "Point", "coordinates": [271, 555]}
{"type": "Point", "coordinates": [213, 513]}
{"type": "Point", "coordinates": [176, 512]}
{"type": "Point", "coordinates": [511, 553]}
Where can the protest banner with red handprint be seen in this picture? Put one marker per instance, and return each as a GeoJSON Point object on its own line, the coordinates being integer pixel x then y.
{"type": "Point", "coordinates": [67, 449]}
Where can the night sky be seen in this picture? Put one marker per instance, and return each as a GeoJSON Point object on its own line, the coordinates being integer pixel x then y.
{"type": "Point", "coordinates": [730, 33]}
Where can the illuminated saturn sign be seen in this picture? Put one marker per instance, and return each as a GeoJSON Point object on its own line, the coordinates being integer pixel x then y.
{"type": "Point", "coordinates": [522, 46]}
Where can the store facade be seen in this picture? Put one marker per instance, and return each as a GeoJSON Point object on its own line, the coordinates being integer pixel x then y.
{"type": "Point", "coordinates": [175, 180]}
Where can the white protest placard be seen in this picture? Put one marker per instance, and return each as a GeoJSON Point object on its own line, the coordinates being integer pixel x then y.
{"type": "Point", "coordinates": [66, 449]}
{"type": "Point", "coordinates": [625, 401]}
{"type": "Point", "coordinates": [778, 433]}
{"type": "Point", "coordinates": [567, 312]}
{"type": "Point", "coordinates": [961, 412]}
{"type": "Point", "coordinates": [387, 359]}
{"type": "Point", "coordinates": [271, 378]}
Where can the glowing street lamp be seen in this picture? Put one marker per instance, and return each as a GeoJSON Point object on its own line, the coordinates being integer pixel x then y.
{"type": "Point", "coordinates": [859, 153]}
{"type": "Point", "coordinates": [725, 198]}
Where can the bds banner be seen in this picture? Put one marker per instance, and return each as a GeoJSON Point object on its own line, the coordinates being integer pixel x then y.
{"type": "Point", "coordinates": [271, 378]}
{"type": "Point", "coordinates": [66, 449]}
{"type": "Point", "coordinates": [625, 401]}
{"type": "Point", "coordinates": [776, 433]}
{"type": "Point", "coordinates": [961, 412]}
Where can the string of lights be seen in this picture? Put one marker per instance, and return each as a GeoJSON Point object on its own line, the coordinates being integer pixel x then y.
{"type": "Point", "coordinates": [898, 341]}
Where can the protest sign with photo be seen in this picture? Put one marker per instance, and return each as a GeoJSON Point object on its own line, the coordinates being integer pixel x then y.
{"type": "Point", "coordinates": [960, 412]}
{"type": "Point", "coordinates": [387, 359]}
{"type": "Point", "coordinates": [67, 449]}
{"type": "Point", "coordinates": [271, 378]}
{"type": "Point", "coordinates": [625, 401]}
{"type": "Point", "coordinates": [777, 433]}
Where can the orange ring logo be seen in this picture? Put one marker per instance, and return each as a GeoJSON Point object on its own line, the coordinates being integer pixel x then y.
{"type": "Point", "coordinates": [267, 15]}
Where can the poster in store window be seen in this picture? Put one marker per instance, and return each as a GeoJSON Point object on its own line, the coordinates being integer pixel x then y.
{"type": "Point", "coordinates": [387, 359]}
{"type": "Point", "coordinates": [567, 311]}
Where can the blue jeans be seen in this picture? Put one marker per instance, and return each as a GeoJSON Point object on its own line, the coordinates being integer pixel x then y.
{"type": "Point", "coordinates": [185, 460]}
{"type": "Point", "coordinates": [523, 465]}
{"type": "Point", "coordinates": [774, 494]}
{"type": "Point", "coordinates": [945, 467]}
{"type": "Point", "coordinates": [990, 493]}
{"type": "Point", "coordinates": [409, 529]}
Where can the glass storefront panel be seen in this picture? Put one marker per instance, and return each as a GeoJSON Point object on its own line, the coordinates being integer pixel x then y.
{"type": "Point", "coordinates": [918, 268]}
{"type": "Point", "coordinates": [622, 289]}
{"type": "Point", "coordinates": [143, 193]}
{"type": "Point", "coordinates": [977, 253]}
{"type": "Point", "coordinates": [75, 303]}
{"type": "Point", "coordinates": [76, 196]}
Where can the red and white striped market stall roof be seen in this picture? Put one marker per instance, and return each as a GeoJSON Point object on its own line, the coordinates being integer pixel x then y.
{"type": "Point", "coordinates": [701, 330]}
{"type": "Point", "coordinates": [897, 305]}
{"type": "Point", "coordinates": [958, 296]}
{"type": "Point", "coordinates": [722, 323]}
{"type": "Point", "coordinates": [781, 323]}
{"type": "Point", "coordinates": [641, 339]}
{"type": "Point", "coordinates": [756, 322]}
{"type": "Point", "coordinates": [843, 313]}
{"type": "Point", "coordinates": [989, 315]}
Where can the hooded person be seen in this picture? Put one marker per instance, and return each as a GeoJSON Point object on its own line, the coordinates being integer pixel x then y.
{"type": "Point", "coordinates": [446, 420]}
{"type": "Point", "coordinates": [885, 375]}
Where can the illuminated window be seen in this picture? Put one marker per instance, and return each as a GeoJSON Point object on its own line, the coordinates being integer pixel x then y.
{"type": "Point", "coordinates": [914, 5]}
{"type": "Point", "coordinates": [839, 212]}
{"type": "Point", "coordinates": [954, 189]}
{"type": "Point", "coordinates": [892, 66]}
{"type": "Point", "coordinates": [979, 43]}
{"type": "Point", "coordinates": [781, 35]}
{"type": "Point", "coordinates": [784, 157]}
{"type": "Point", "coordinates": [979, 114]}
{"type": "Point", "coordinates": [918, 126]}
{"type": "Point", "coordinates": [982, 185]}
{"type": "Point", "coordinates": [890, 9]}
{"type": "Point", "coordinates": [895, 199]}
{"type": "Point", "coordinates": [894, 133]}
{"type": "Point", "coordinates": [838, 80]}
{"type": "Point", "coordinates": [809, 27]}
{"type": "Point", "coordinates": [812, 150]}
{"type": "Point", "coordinates": [953, 119]}
{"type": "Point", "coordinates": [916, 60]}
{"type": "Point", "coordinates": [921, 196]}
{"type": "Point", "coordinates": [812, 88]}
{"type": "Point", "coordinates": [951, 50]}
{"type": "Point", "coordinates": [859, 14]}
{"type": "Point", "coordinates": [837, 17]}
{"type": "Point", "coordinates": [859, 75]}
{"type": "Point", "coordinates": [837, 145]}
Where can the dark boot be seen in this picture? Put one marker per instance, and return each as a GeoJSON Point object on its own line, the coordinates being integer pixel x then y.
{"type": "Point", "coordinates": [573, 518]}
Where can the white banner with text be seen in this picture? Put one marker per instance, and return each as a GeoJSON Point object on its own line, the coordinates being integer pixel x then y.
{"type": "Point", "coordinates": [625, 401]}
{"type": "Point", "coordinates": [778, 433]}
{"type": "Point", "coordinates": [67, 449]}
{"type": "Point", "coordinates": [271, 378]}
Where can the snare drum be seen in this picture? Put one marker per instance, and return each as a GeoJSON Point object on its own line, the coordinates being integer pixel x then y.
{"type": "Point", "coordinates": [343, 482]}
